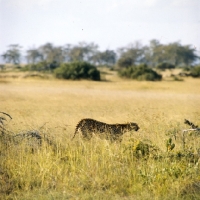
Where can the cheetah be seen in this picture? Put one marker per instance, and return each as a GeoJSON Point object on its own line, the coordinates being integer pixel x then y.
{"type": "Point", "coordinates": [112, 131]}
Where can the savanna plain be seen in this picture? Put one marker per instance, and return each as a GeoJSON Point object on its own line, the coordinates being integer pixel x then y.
{"type": "Point", "coordinates": [152, 163]}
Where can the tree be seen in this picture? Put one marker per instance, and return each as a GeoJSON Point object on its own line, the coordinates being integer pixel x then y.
{"type": "Point", "coordinates": [82, 52]}
{"type": "Point", "coordinates": [13, 54]}
{"type": "Point", "coordinates": [107, 57]}
{"type": "Point", "coordinates": [154, 53]}
{"type": "Point", "coordinates": [130, 55]}
{"type": "Point", "coordinates": [33, 56]}
{"type": "Point", "coordinates": [177, 54]}
{"type": "Point", "coordinates": [66, 51]}
{"type": "Point", "coordinates": [52, 54]}
{"type": "Point", "coordinates": [173, 53]}
{"type": "Point", "coordinates": [188, 55]}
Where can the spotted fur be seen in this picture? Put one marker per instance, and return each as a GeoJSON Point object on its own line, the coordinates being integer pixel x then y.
{"type": "Point", "coordinates": [87, 127]}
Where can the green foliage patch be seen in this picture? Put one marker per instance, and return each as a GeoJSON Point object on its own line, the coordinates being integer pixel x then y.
{"type": "Point", "coordinates": [164, 66]}
{"type": "Point", "coordinates": [195, 72]}
{"type": "Point", "coordinates": [141, 72]}
{"type": "Point", "coordinates": [77, 71]}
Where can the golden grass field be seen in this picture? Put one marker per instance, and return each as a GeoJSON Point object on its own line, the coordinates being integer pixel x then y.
{"type": "Point", "coordinates": [98, 169]}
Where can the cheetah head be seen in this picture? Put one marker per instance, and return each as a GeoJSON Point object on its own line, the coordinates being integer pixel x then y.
{"type": "Point", "coordinates": [134, 126]}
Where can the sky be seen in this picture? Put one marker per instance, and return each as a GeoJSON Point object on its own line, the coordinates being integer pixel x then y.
{"type": "Point", "coordinates": [109, 23]}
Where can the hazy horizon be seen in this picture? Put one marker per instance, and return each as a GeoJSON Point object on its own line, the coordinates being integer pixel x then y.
{"type": "Point", "coordinates": [108, 23]}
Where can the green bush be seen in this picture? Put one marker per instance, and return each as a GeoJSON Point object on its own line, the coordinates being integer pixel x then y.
{"type": "Point", "coordinates": [186, 68]}
{"type": "Point", "coordinates": [2, 67]}
{"type": "Point", "coordinates": [77, 70]}
{"type": "Point", "coordinates": [195, 72]}
{"type": "Point", "coordinates": [141, 73]}
{"type": "Point", "coordinates": [163, 66]}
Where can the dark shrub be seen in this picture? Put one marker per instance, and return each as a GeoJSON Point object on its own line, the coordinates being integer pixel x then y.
{"type": "Point", "coordinates": [186, 69]}
{"type": "Point", "coordinates": [195, 72]}
{"type": "Point", "coordinates": [77, 70]}
{"type": "Point", "coordinates": [2, 67]}
{"type": "Point", "coordinates": [53, 65]}
{"type": "Point", "coordinates": [163, 66]}
{"type": "Point", "coordinates": [141, 72]}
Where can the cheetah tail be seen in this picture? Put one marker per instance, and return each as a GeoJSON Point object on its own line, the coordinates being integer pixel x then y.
{"type": "Point", "coordinates": [74, 134]}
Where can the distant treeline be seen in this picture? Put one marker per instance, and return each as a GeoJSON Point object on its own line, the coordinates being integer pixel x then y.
{"type": "Point", "coordinates": [154, 54]}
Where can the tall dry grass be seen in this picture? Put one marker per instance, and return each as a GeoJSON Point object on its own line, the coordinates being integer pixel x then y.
{"type": "Point", "coordinates": [98, 169]}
